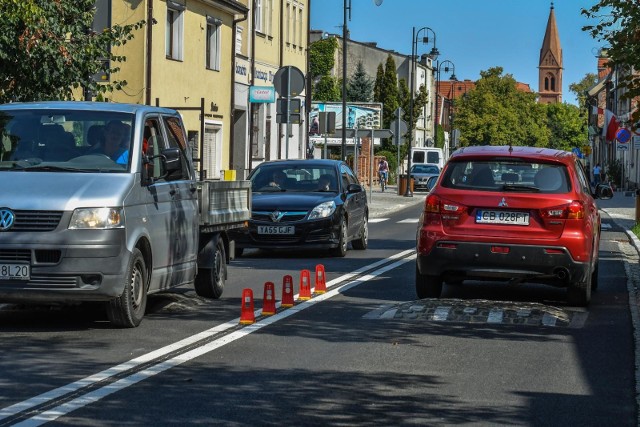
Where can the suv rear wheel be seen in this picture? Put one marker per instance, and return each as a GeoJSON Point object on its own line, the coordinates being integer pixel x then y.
{"type": "Point", "coordinates": [579, 293]}
{"type": "Point", "coordinates": [428, 286]}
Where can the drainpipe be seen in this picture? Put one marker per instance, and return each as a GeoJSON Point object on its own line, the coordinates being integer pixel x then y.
{"type": "Point", "coordinates": [150, 21]}
{"type": "Point", "coordinates": [253, 79]}
{"type": "Point", "coordinates": [307, 106]}
{"type": "Point", "coordinates": [280, 65]}
{"type": "Point", "coordinates": [232, 126]}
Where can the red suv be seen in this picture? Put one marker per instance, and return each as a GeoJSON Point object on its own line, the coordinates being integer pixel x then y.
{"type": "Point", "coordinates": [518, 214]}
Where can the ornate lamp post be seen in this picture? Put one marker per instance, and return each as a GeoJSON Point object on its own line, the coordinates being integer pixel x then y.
{"type": "Point", "coordinates": [434, 54]}
{"type": "Point", "coordinates": [453, 77]}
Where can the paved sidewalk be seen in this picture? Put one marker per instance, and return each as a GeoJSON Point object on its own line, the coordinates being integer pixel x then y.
{"type": "Point", "coordinates": [383, 204]}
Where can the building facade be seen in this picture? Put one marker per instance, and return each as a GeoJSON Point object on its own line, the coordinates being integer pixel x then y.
{"type": "Point", "coordinates": [274, 36]}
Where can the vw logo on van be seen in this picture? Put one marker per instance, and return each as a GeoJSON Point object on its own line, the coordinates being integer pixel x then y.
{"type": "Point", "coordinates": [6, 219]}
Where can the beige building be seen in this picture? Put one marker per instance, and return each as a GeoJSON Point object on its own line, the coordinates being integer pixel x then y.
{"type": "Point", "coordinates": [279, 38]}
{"type": "Point", "coordinates": [206, 59]}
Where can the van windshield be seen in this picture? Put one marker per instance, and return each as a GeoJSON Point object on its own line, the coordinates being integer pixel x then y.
{"type": "Point", "coordinates": [65, 140]}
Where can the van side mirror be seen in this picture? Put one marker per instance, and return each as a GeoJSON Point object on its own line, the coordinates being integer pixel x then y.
{"type": "Point", "coordinates": [354, 188]}
{"type": "Point", "coordinates": [172, 163]}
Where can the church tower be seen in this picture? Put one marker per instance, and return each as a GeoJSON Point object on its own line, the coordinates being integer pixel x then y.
{"type": "Point", "coordinates": [550, 68]}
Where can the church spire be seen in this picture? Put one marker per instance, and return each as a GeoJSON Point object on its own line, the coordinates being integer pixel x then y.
{"type": "Point", "coordinates": [550, 66]}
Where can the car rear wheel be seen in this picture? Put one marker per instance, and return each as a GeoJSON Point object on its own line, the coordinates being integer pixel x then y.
{"type": "Point", "coordinates": [209, 282]}
{"type": "Point", "coordinates": [428, 286]}
{"type": "Point", "coordinates": [579, 293]}
{"type": "Point", "coordinates": [341, 250]}
{"type": "Point", "coordinates": [362, 242]}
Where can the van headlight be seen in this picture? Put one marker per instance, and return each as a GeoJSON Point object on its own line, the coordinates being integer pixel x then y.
{"type": "Point", "coordinates": [96, 218]}
{"type": "Point", "coordinates": [323, 210]}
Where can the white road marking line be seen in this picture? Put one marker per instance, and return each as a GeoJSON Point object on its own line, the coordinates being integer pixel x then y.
{"type": "Point", "coordinates": [441, 313]}
{"type": "Point", "coordinates": [409, 221]}
{"type": "Point", "coordinates": [495, 316]}
{"type": "Point", "coordinates": [132, 379]}
{"type": "Point", "coordinates": [374, 220]}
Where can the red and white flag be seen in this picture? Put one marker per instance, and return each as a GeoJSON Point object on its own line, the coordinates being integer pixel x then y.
{"type": "Point", "coordinates": [611, 123]}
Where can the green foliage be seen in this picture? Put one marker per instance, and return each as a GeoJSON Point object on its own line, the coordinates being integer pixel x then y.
{"type": "Point", "coordinates": [47, 49]}
{"type": "Point", "coordinates": [389, 92]}
{"type": "Point", "coordinates": [328, 89]}
{"type": "Point", "coordinates": [360, 86]}
{"type": "Point", "coordinates": [322, 57]}
{"type": "Point", "coordinates": [614, 172]}
{"type": "Point", "coordinates": [377, 86]}
{"type": "Point", "coordinates": [567, 126]}
{"type": "Point", "coordinates": [496, 113]}
{"type": "Point", "coordinates": [580, 89]}
{"type": "Point", "coordinates": [440, 137]}
{"type": "Point", "coordinates": [617, 26]}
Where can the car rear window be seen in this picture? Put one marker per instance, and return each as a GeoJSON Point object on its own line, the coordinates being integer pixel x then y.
{"type": "Point", "coordinates": [425, 169]}
{"type": "Point", "coordinates": [507, 175]}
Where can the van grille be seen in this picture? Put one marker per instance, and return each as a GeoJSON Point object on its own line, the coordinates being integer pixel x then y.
{"type": "Point", "coordinates": [36, 220]}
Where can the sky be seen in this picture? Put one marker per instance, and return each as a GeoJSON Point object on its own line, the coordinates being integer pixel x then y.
{"type": "Point", "coordinates": [473, 34]}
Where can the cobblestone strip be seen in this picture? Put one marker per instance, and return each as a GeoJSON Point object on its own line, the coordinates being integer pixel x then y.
{"type": "Point", "coordinates": [632, 269]}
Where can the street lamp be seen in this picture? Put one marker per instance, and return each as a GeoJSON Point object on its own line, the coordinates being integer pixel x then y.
{"type": "Point", "coordinates": [453, 77]}
{"type": "Point", "coordinates": [434, 54]}
{"type": "Point", "coordinates": [347, 7]}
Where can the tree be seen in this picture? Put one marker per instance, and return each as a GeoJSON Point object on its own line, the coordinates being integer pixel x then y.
{"type": "Point", "coordinates": [580, 89]}
{"type": "Point", "coordinates": [377, 86]}
{"type": "Point", "coordinates": [322, 58]}
{"type": "Point", "coordinates": [497, 113]}
{"type": "Point", "coordinates": [389, 92]}
{"type": "Point", "coordinates": [47, 49]}
{"type": "Point", "coordinates": [328, 89]}
{"type": "Point", "coordinates": [360, 86]}
{"type": "Point", "coordinates": [567, 126]}
{"type": "Point", "coordinates": [618, 23]}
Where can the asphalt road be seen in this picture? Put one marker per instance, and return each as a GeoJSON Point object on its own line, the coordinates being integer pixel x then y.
{"type": "Point", "coordinates": [366, 352]}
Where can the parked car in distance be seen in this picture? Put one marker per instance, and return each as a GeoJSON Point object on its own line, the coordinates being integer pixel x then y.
{"type": "Point", "coordinates": [421, 174]}
{"type": "Point", "coordinates": [516, 214]}
{"type": "Point", "coordinates": [312, 204]}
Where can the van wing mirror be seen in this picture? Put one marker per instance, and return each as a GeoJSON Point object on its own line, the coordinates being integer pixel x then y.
{"type": "Point", "coordinates": [172, 162]}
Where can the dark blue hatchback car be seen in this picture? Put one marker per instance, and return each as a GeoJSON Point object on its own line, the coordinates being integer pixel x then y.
{"type": "Point", "coordinates": [312, 204]}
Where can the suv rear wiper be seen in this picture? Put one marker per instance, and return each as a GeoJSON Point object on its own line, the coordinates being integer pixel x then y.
{"type": "Point", "coordinates": [515, 187]}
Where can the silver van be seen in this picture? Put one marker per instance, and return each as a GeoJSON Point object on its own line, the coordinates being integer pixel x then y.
{"type": "Point", "coordinates": [99, 203]}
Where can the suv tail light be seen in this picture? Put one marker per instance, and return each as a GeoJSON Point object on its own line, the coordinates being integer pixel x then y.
{"type": "Point", "coordinates": [435, 208]}
{"type": "Point", "coordinates": [573, 210]}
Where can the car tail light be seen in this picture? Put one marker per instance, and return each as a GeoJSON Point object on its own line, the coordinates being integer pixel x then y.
{"type": "Point", "coordinates": [500, 249]}
{"type": "Point", "coordinates": [573, 210]}
{"type": "Point", "coordinates": [435, 205]}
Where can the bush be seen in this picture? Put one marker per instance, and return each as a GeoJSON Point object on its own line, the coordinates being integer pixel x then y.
{"type": "Point", "coordinates": [614, 170]}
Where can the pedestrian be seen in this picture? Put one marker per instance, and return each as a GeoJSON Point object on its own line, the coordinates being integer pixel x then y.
{"type": "Point", "coordinates": [597, 174]}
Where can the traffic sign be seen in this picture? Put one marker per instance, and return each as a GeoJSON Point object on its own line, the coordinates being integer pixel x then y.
{"type": "Point", "coordinates": [288, 81]}
{"type": "Point", "coordinates": [622, 147]}
{"type": "Point", "coordinates": [623, 135]}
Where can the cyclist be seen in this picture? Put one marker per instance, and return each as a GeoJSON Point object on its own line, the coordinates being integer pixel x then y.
{"type": "Point", "coordinates": [383, 172]}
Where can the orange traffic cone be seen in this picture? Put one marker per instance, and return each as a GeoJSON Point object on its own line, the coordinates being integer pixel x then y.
{"type": "Point", "coordinates": [321, 284]}
{"type": "Point", "coordinates": [247, 316]}
{"type": "Point", "coordinates": [269, 301]}
{"type": "Point", "coordinates": [305, 285]}
{"type": "Point", "coordinates": [287, 291]}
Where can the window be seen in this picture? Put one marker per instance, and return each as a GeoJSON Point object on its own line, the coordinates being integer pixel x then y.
{"type": "Point", "coordinates": [300, 26]}
{"type": "Point", "coordinates": [174, 30]}
{"type": "Point", "coordinates": [239, 31]}
{"type": "Point", "coordinates": [258, 16]}
{"type": "Point", "coordinates": [152, 144]}
{"type": "Point", "coordinates": [266, 16]}
{"type": "Point", "coordinates": [287, 23]}
{"type": "Point", "coordinates": [213, 43]}
{"type": "Point", "coordinates": [176, 139]}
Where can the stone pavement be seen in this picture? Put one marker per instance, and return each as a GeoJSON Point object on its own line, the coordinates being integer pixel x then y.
{"type": "Point", "coordinates": [383, 204]}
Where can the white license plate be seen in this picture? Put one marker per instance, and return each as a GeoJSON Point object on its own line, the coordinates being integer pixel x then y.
{"type": "Point", "coordinates": [15, 271]}
{"type": "Point", "coordinates": [502, 217]}
{"type": "Point", "coordinates": [276, 229]}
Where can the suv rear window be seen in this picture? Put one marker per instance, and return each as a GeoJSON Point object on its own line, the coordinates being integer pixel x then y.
{"type": "Point", "coordinates": [507, 175]}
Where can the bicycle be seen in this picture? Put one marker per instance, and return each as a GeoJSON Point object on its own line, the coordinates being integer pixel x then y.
{"type": "Point", "coordinates": [382, 175]}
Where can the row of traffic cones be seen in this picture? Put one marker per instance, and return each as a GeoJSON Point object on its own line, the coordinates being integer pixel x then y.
{"type": "Point", "coordinates": [247, 315]}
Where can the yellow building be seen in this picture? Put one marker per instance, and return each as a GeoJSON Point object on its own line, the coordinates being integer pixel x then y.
{"type": "Point", "coordinates": [185, 60]}
{"type": "Point", "coordinates": [278, 39]}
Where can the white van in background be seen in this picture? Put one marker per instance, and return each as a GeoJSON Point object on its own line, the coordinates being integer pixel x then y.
{"type": "Point", "coordinates": [427, 155]}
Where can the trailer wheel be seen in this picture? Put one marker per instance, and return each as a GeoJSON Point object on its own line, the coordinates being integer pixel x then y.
{"type": "Point", "coordinates": [209, 282]}
{"type": "Point", "coordinates": [128, 309]}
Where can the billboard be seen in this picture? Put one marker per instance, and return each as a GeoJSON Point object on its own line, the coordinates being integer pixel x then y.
{"type": "Point", "coordinates": [360, 115]}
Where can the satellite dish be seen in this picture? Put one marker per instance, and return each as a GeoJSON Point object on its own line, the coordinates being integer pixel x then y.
{"type": "Point", "coordinates": [377, 2]}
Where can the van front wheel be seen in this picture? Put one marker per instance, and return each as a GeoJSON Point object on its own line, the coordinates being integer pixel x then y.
{"type": "Point", "coordinates": [128, 309]}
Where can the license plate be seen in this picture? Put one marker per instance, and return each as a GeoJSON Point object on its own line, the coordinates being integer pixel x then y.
{"type": "Point", "coordinates": [15, 271]}
{"type": "Point", "coordinates": [276, 229]}
{"type": "Point", "coordinates": [502, 217]}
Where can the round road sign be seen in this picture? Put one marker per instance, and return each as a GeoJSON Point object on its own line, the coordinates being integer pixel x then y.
{"type": "Point", "coordinates": [288, 81]}
{"type": "Point", "coordinates": [623, 135]}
